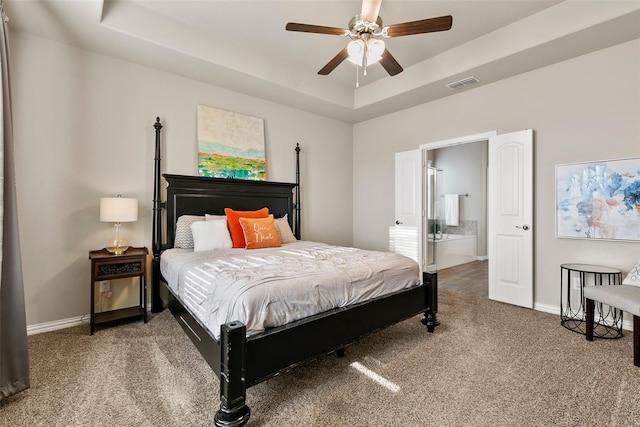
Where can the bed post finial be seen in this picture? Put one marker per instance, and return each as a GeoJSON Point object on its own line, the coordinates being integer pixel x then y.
{"type": "Point", "coordinates": [298, 229]}
{"type": "Point", "coordinates": [156, 301]}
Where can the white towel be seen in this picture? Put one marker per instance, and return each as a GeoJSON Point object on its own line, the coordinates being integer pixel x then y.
{"type": "Point", "coordinates": [451, 209]}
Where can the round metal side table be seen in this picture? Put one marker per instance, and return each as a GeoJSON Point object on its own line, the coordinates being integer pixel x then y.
{"type": "Point", "coordinates": [573, 279]}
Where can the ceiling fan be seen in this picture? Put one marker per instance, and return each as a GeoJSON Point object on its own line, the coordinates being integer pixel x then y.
{"type": "Point", "coordinates": [365, 31]}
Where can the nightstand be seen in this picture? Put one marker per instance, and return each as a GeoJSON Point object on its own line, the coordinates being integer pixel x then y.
{"type": "Point", "coordinates": [107, 266]}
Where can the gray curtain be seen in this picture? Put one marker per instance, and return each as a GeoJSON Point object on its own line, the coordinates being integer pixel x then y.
{"type": "Point", "coordinates": [14, 357]}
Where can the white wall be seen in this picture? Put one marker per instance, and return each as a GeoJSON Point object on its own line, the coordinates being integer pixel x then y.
{"type": "Point", "coordinates": [583, 109]}
{"type": "Point", "coordinates": [462, 174]}
{"type": "Point", "coordinates": [83, 127]}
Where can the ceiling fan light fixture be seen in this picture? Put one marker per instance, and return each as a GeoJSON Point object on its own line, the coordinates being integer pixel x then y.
{"type": "Point", "coordinates": [375, 49]}
{"type": "Point", "coordinates": [355, 49]}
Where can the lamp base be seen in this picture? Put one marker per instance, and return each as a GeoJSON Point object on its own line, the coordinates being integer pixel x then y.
{"type": "Point", "coordinates": [117, 244]}
{"type": "Point", "coordinates": [117, 250]}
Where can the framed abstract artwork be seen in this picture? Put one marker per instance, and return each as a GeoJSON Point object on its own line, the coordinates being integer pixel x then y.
{"type": "Point", "coordinates": [599, 200]}
{"type": "Point", "coordinates": [230, 145]}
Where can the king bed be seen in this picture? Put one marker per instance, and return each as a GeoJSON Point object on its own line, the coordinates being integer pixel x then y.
{"type": "Point", "coordinates": [325, 297]}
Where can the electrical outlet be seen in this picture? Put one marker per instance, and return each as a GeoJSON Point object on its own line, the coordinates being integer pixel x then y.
{"type": "Point", "coordinates": [576, 283]}
{"type": "Point", "coordinates": [104, 286]}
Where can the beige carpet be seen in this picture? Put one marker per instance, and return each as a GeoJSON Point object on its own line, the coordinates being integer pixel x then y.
{"type": "Point", "coordinates": [488, 364]}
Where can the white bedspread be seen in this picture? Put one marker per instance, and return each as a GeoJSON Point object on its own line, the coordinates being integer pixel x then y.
{"type": "Point", "coordinates": [270, 287]}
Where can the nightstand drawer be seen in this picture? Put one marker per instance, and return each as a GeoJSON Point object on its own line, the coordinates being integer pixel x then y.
{"type": "Point", "coordinates": [110, 270]}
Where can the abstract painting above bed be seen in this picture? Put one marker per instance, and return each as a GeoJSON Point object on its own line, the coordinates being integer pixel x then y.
{"type": "Point", "coordinates": [230, 145]}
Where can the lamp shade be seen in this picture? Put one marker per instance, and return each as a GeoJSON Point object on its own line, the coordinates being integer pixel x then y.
{"type": "Point", "coordinates": [355, 48]}
{"type": "Point", "coordinates": [118, 209]}
{"type": "Point", "coordinates": [375, 49]}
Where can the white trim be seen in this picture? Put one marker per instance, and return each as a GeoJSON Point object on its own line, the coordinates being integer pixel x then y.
{"type": "Point", "coordinates": [62, 324]}
{"type": "Point", "coordinates": [484, 136]}
{"type": "Point", "coordinates": [627, 325]}
{"type": "Point", "coordinates": [57, 325]}
{"type": "Point", "coordinates": [547, 308]}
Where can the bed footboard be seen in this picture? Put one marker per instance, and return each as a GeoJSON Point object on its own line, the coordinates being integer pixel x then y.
{"type": "Point", "coordinates": [242, 362]}
{"type": "Point", "coordinates": [248, 361]}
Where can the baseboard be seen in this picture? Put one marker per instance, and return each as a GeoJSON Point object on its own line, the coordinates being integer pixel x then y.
{"type": "Point", "coordinates": [57, 325]}
{"type": "Point", "coordinates": [61, 324]}
{"type": "Point", "coordinates": [627, 325]}
{"type": "Point", "coordinates": [547, 308]}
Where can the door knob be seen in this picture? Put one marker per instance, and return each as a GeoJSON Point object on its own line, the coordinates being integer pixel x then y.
{"type": "Point", "coordinates": [524, 227]}
{"type": "Point", "coordinates": [398, 222]}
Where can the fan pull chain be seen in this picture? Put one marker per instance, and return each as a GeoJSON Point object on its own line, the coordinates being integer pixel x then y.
{"type": "Point", "coordinates": [364, 58]}
{"type": "Point", "coordinates": [357, 77]}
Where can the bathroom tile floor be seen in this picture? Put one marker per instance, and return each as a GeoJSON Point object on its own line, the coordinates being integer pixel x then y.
{"type": "Point", "coordinates": [470, 278]}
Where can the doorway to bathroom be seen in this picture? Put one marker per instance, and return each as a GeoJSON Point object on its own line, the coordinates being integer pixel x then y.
{"type": "Point", "coordinates": [456, 207]}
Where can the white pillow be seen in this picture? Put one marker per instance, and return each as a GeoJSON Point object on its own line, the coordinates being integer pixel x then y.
{"type": "Point", "coordinates": [284, 230]}
{"type": "Point", "coordinates": [209, 235]}
{"type": "Point", "coordinates": [209, 217]}
{"type": "Point", "coordinates": [184, 236]}
{"type": "Point", "coordinates": [633, 278]}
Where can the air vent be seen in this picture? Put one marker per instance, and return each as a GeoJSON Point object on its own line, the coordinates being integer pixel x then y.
{"type": "Point", "coordinates": [467, 81]}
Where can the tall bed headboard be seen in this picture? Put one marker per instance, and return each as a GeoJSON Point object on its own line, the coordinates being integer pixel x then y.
{"type": "Point", "coordinates": [197, 195]}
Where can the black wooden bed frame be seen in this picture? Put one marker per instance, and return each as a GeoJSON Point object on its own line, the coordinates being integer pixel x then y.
{"type": "Point", "coordinates": [242, 362]}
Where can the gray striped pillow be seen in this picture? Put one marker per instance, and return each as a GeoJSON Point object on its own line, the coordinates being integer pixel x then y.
{"type": "Point", "coordinates": [184, 235]}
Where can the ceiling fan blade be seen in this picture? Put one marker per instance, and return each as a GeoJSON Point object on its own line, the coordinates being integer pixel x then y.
{"type": "Point", "coordinates": [337, 60]}
{"type": "Point", "coordinates": [390, 64]}
{"type": "Point", "coordinates": [430, 25]}
{"type": "Point", "coordinates": [370, 10]}
{"type": "Point", "coordinates": [318, 29]}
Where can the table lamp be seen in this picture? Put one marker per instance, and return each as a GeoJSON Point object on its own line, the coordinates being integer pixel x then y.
{"type": "Point", "coordinates": [118, 210]}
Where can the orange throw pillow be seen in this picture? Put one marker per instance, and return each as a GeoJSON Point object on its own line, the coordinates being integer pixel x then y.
{"type": "Point", "coordinates": [260, 232]}
{"type": "Point", "coordinates": [237, 235]}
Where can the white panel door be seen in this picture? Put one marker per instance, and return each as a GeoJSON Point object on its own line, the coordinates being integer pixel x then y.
{"type": "Point", "coordinates": [406, 233]}
{"type": "Point", "coordinates": [510, 218]}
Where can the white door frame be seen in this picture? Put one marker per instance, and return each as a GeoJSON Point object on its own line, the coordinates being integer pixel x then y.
{"type": "Point", "coordinates": [484, 136]}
